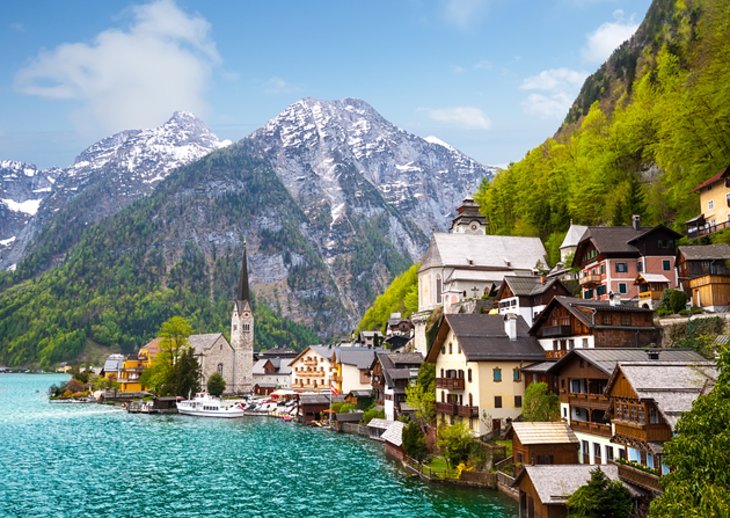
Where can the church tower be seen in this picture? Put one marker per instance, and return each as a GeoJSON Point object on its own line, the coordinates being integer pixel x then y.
{"type": "Point", "coordinates": [242, 334]}
{"type": "Point", "coordinates": [468, 219]}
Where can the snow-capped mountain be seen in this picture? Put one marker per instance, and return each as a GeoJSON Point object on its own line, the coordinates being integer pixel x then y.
{"type": "Point", "coordinates": [104, 178]}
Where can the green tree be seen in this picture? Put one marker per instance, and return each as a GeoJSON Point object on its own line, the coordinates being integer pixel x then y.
{"type": "Point", "coordinates": [175, 371]}
{"type": "Point", "coordinates": [421, 395]}
{"type": "Point", "coordinates": [540, 403]}
{"type": "Point", "coordinates": [216, 384]}
{"type": "Point", "coordinates": [601, 498]}
{"type": "Point", "coordinates": [414, 442]}
{"type": "Point", "coordinates": [699, 454]}
{"type": "Point", "coordinates": [455, 443]}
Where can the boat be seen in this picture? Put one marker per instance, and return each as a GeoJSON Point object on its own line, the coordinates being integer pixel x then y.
{"type": "Point", "coordinates": [205, 405]}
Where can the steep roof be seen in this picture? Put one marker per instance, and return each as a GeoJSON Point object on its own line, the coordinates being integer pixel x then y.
{"type": "Point", "coordinates": [394, 433]}
{"type": "Point", "coordinates": [582, 310]}
{"type": "Point", "coordinates": [572, 237]}
{"type": "Point", "coordinates": [258, 367]}
{"type": "Point", "coordinates": [113, 363]}
{"type": "Point", "coordinates": [544, 432]}
{"type": "Point", "coordinates": [714, 178]}
{"type": "Point", "coordinates": [483, 337]}
{"type": "Point", "coordinates": [524, 286]}
{"type": "Point", "coordinates": [555, 483]}
{"type": "Point", "coordinates": [360, 357]}
{"type": "Point", "coordinates": [606, 359]}
{"type": "Point", "coordinates": [483, 251]}
{"type": "Point", "coordinates": [619, 240]}
{"type": "Point", "coordinates": [319, 399]}
{"type": "Point", "coordinates": [706, 252]}
{"type": "Point", "coordinates": [326, 351]}
{"type": "Point", "coordinates": [672, 386]}
{"type": "Point", "coordinates": [398, 365]}
{"type": "Point", "coordinates": [205, 341]}
{"type": "Point", "coordinates": [656, 278]}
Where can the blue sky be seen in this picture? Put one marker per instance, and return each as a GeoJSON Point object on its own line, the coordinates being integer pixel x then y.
{"type": "Point", "coordinates": [491, 77]}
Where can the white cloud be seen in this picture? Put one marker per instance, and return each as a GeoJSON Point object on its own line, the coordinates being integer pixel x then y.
{"type": "Point", "coordinates": [464, 13]}
{"type": "Point", "coordinates": [604, 40]}
{"type": "Point", "coordinates": [558, 87]}
{"type": "Point", "coordinates": [278, 86]}
{"type": "Point", "coordinates": [468, 117]}
{"type": "Point", "coordinates": [130, 77]}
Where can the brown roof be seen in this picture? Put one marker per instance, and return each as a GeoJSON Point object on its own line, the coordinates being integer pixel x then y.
{"type": "Point", "coordinates": [544, 432]}
{"type": "Point", "coordinates": [483, 337]}
{"type": "Point", "coordinates": [715, 178]}
{"type": "Point", "coordinates": [606, 359]}
{"type": "Point", "coordinates": [529, 286]}
{"type": "Point", "coordinates": [574, 305]}
{"type": "Point", "coordinates": [707, 252]}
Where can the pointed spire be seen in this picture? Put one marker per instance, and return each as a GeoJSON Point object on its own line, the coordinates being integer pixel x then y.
{"type": "Point", "coordinates": [242, 293]}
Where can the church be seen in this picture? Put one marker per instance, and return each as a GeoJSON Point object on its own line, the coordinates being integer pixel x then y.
{"type": "Point", "coordinates": [234, 360]}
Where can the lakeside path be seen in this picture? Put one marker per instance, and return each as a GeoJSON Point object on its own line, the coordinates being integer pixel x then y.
{"type": "Point", "coordinates": [60, 459]}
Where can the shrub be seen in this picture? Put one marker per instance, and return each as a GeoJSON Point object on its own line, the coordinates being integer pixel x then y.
{"type": "Point", "coordinates": [372, 414]}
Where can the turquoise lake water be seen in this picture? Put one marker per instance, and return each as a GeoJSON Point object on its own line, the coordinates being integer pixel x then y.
{"type": "Point", "coordinates": [60, 459]}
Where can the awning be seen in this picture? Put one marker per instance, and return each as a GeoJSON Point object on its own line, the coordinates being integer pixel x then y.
{"type": "Point", "coordinates": [697, 220]}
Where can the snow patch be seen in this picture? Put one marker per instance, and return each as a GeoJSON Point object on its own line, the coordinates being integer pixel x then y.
{"type": "Point", "coordinates": [435, 140]}
{"type": "Point", "coordinates": [12, 267]}
{"type": "Point", "coordinates": [27, 206]}
{"type": "Point", "coordinates": [8, 241]}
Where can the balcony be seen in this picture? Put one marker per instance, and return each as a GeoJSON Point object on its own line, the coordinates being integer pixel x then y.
{"type": "Point", "coordinates": [706, 230]}
{"type": "Point", "coordinates": [639, 478]}
{"type": "Point", "coordinates": [310, 374]}
{"type": "Point", "coordinates": [602, 429]}
{"type": "Point", "coordinates": [446, 408]}
{"type": "Point", "coordinates": [467, 411]}
{"type": "Point", "coordinates": [555, 355]}
{"type": "Point", "coordinates": [590, 280]}
{"type": "Point", "coordinates": [650, 295]}
{"type": "Point", "coordinates": [588, 400]}
{"type": "Point", "coordinates": [643, 432]}
{"type": "Point", "coordinates": [450, 383]}
{"type": "Point", "coordinates": [549, 331]}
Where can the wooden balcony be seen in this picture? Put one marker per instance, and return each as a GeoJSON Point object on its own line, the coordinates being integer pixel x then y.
{"type": "Point", "coordinates": [446, 408]}
{"type": "Point", "coordinates": [467, 411]}
{"type": "Point", "coordinates": [602, 429]}
{"type": "Point", "coordinates": [310, 374]}
{"type": "Point", "coordinates": [555, 355]}
{"type": "Point", "coordinates": [549, 331]}
{"type": "Point", "coordinates": [643, 432]}
{"type": "Point", "coordinates": [639, 478]}
{"type": "Point", "coordinates": [586, 400]}
{"type": "Point", "coordinates": [590, 280]}
{"type": "Point", "coordinates": [650, 295]}
{"type": "Point", "coordinates": [450, 383]}
{"type": "Point", "coordinates": [693, 232]}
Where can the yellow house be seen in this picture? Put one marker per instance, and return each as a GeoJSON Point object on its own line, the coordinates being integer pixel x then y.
{"type": "Point", "coordinates": [478, 359]}
{"type": "Point", "coordinates": [133, 366]}
{"type": "Point", "coordinates": [714, 205]}
{"type": "Point", "coordinates": [314, 369]}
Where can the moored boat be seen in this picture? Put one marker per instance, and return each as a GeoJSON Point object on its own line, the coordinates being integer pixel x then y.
{"type": "Point", "coordinates": [205, 405]}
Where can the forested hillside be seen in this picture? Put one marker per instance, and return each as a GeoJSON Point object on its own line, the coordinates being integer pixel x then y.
{"type": "Point", "coordinates": [649, 126]}
{"type": "Point", "coordinates": [400, 297]}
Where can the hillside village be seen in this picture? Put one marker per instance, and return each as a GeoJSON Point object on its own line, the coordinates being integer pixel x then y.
{"type": "Point", "coordinates": [492, 320]}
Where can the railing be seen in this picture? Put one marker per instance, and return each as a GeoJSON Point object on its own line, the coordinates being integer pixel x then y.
{"type": "Point", "coordinates": [446, 408]}
{"type": "Point", "coordinates": [467, 411]}
{"type": "Point", "coordinates": [556, 331]}
{"type": "Point", "coordinates": [450, 383]}
{"type": "Point", "coordinates": [642, 432]}
{"type": "Point", "coordinates": [693, 232]}
{"type": "Point", "coordinates": [555, 355]}
{"type": "Point", "coordinates": [639, 477]}
{"type": "Point", "coordinates": [589, 279]}
{"type": "Point", "coordinates": [650, 294]}
{"type": "Point", "coordinates": [593, 400]}
{"type": "Point", "coordinates": [601, 429]}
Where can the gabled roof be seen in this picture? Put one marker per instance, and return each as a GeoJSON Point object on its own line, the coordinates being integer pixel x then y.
{"type": "Point", "coordinates": [524, 286]}
{"type": "Point", "coordinates": [572, 237]}
{"type": "Point", "coordinates": [673, 386]}
{"type": "Point", "coordinates": [377, 422]}
{"type": "Point", "coordinates": [583, 310]}
{"type": "Point", "coordinates": [606, 359]}
{"type": "Point", "coordinates": [113, 363]}
{"type": "Point", "coordinates": [325, 351]}
{"type": "Point", "coordinates": [205, 341]}
{"type": "Point", "coordinates": [621, 239]}
{"type": "Point", "coordinates": [705, 253]}
{"type": "Point", "coordinates": [394, 433]}
{"type": "Point", "coordinates": [544, 432]}
{"type": "Point", "coordinates": [483, 337]}
{"type": "Point", "coordinates": [555, 483]}
{"type": "Point", "coordinates": [319, 399]}
{"type": "Point", "coordinates": [483, 251]}
{"type": "Point", "coordinates": [360, 357]}
{"type": "Point", "coordinates": [654, 278]}
{"type": "Point", "coordinates": [258, 367]}
{"type": "Point", "coordinates": [714, 178]}
{"type": "Point", "coordinates": [398, 365]}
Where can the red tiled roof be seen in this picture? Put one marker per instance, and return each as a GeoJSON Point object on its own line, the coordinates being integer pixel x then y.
{"type": "Point", "coordinates": [712, 180]}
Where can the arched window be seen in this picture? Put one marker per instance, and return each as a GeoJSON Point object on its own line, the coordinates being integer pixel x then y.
{"type": "Point", "coordinates": [468, 374]}
{"type": "Point", "coordinates": [439, 289]}
{"type": "Point", "coordinates": [246, 328]}
{"type": "Point", "coordinates": [471, 401]}
{"type": "Point", "coordinates": [220, 369]}
{"type": "Point", "coordinates": [451, 351]}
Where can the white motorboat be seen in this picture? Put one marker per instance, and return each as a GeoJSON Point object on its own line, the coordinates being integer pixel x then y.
{"type": "Point", "coordinates": [205, 405]}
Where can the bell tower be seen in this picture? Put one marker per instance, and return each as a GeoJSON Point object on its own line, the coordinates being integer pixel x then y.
{"type": "Point", "coordinates": [242, 333]}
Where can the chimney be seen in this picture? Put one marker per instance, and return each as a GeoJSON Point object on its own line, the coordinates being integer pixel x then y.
{"type": "Point", "coordinates": [614, 299]}
{"type": "Point", "coordinates": [636, 221]}
{"type": "Point", "coordinates": [542, 279]}
{"type": "Point", "coordinates": [510, 326]}
{"type": "Point", "coordinates": [652, 352]}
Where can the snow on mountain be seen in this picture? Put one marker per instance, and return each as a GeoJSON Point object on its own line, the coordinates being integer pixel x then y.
{"type": "Point", "coordinates": [104, 178]}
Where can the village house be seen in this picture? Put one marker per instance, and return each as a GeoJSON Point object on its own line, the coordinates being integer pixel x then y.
{"type": "Point", "coordinates": [705, 276]}
{"type": "Point", "coordinates": [352, 368]}
{"type": "Point", "coordinates": [272, 372]}
{"type": "Point", "coordinates": [610, 258]}
{"type": "Point", "coordinates": [527, 296]}
{"type": "Point", "coordinates": [312, 369]}
{"type": "Point", "coordinates": [543, 443]}
{"type": "Point", "coordinates": [133, 367]}
{"type": "Point", "coordinates": [571, 240]}
{"type": "Point", "coordinates": [398, 326]}
{"type": "Point", "coordinates": [391, 374]}
{"type": "Point", "coordinates": [646, 399]}
{"type": "Point", "coordinates": [568, 323]}
{"type": "Point", "coordinates": [112, 366]}
{"type": "Point", "coordinates": [581, 377]}
{"type": "Point", "coordinates": [478, 359]}
{"type": "Point", "coordinates": [544, 490]}
{"type": "Point", "coordinates": [315, 407]}
{"type": "Point", "coordinates": [714, 206]}
{"type": "Point", "coordinates": [393, 440]}
{"type": "Point", "coordinates": [468, 264]}
{"type": "Point", "coordinates": [651, 289]}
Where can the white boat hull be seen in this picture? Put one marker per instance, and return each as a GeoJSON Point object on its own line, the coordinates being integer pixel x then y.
{"type": "Point", "coordinates": [207, 406]}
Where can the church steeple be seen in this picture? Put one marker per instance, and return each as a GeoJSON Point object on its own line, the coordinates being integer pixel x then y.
{"type": "Point", "coordinates": [242, 293]}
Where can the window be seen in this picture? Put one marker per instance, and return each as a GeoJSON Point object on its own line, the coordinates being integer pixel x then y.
{"type": "Point", "coordinates": [220, 369]}
{"type": "Point", "coordinates": [584, 445]}
{"type": "Point", "coordinates": [565, 412]}
{"type": "Point", "coordinates": [639, 266]}
{"type": "Point", "coordinates": [622, 267]}
{"type": "Point", "coordinates": [439, 289]}
{"type": "Point", "coordinates": [458, 348]}
{"type": "Point", "coordinates": [588, 294]}
{"type": "Point", "coordinates": [451, 351]}
{"type": "Point", "coordinates": [468, 375]}
{"type": "Point", "coordinates": [609, 453]}
{"type": "Point", "coordinates": [585, 343]}
{"type": "Point", "coordinates": [711, 205]}
{"type": "Point", "coordinates": [625, 320]}
{"type": "Point", "coordinates": [246, 328]}
{"type": "Point", "coordinates": [603, 269]}
{"type": "Point", "coordinates": [497, 374]}
{"type": "Point", "coordinates": [443, 350]}
{"type": "Point", "coordinates": [601, 290]}
{"type": "Point", "coordinates": [623, 288]}
{"type": "Point", "coordinates": [597, 452]}
{"type": "Point", "coordinates": [555, 345]}
{"type": "Point", "coordinates": [516, 375]}
{"type": "Point", "coordinates": [442, 373]}
{"type": "Point", "coordinates": [571, 344]}
{"type": "Point", "coordinates": [518, 401]}
{"type": "Point", "coordinates": [497, 401]}
{"type": "Point", "coordinates": [666, 265]}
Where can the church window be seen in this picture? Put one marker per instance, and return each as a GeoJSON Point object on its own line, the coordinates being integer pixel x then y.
{"type": "Point", "coordinates": [439, 289]}
{"type": "Point", "coordinates": [246, 328]}
{"type": "Point", "coordinates": [220, 369]}
{"type": "Point", "coordinates": [235, 327]}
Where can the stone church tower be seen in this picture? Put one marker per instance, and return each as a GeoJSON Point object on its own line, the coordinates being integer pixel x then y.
{"type": "Point", "coordinates": [242, 334]}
